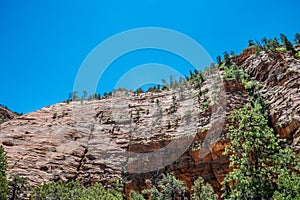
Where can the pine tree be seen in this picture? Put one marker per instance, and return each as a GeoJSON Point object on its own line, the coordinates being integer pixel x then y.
{"type": "Point", "coordinates": [227, 59]}
{"type": "Point", "coordinates": [250, 43]}
{"type": "Point", "coordinates": [288, 45]}
{"type": "Point", "coordinates": [297, 38]}
{"type": "Point", "coordinates": [219, 60]}
{"type": "Point", "coordinates": [264, 41]}
{"type": "Point", "coordinates": [84, 94]}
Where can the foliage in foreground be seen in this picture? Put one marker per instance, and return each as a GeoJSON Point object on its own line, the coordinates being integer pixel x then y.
{"type": "Point", "coordinates": [170, 188]}
{"type": "Point", "coordinates": [17, 186]}
{"type": "Point", "coordinates": [202, 191]}
{"type": "Point", "coordinates": [73, 190]}
{"type": "Point", "coordinates": [167, 188]}
{"type": "Point", "coordinates": [288, 187]}
{"type": "Point", "coordinates": [261, 165]}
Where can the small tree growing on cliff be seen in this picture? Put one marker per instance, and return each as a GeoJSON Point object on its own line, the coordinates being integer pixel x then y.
{"type": "Point", "coordinates": [227, 58]}
{"type": "Point", "coordinates": [3, 180]}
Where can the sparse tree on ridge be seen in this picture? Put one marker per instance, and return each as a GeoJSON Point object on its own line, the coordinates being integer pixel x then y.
{"type": "Point", "coordinates": [272, 44]}
{"type": "Point", "coordinates": [227, 59]}
{"type": "Point", "coordinates": [288, 45]}
{"type": "Point", "coordinates": [219, 59]}
{"type": "Point", "coordinates": [297, 38]}
{"type": "Point", "coordinates": [84, 94]}
{"type": "Point", "coordinates": [73, 96]}
{"type": "Point", "coordinates": [250, 43]}
{"type": "Point", "coordinates": [264, 41]}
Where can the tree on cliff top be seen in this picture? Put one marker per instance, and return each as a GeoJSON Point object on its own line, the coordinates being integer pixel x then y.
{"type": "Point", "coordinates": [288, 45]}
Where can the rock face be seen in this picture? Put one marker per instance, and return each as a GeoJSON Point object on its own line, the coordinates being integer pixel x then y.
{"type": "Point", "coordinates": [6, 115]}
{"type": "Point", "coordinates": [279, 74]}
{"type": "Point", "coordinates": [134, 137]}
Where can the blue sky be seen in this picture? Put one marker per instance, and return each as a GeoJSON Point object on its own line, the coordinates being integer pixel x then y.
{"type": "Point", "coordinates": [43, 43]}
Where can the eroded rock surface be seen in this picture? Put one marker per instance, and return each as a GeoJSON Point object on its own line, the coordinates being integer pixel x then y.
{"type": "Point", "coordinates": [279, 73]}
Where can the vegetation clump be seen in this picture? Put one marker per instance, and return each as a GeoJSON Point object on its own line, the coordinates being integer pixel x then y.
{"type": "Point", "coordinates": [258, 160]}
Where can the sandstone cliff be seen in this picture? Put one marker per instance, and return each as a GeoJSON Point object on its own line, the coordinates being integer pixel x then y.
{"type": "Point", "coordinates": [97, 140]}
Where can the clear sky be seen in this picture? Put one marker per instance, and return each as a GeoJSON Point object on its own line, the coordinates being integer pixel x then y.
{"type": "Point", "coordinates": [43, 43]}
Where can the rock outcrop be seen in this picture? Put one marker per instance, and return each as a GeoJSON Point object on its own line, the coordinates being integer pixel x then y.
{"type": "Point", "coordinates": [6, 115]}
{"type": "Point", "coordinates": [279, 74]}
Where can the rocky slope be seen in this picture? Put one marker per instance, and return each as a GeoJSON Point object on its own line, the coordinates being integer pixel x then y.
{"type": "Point", "coordinates": [134, 137]}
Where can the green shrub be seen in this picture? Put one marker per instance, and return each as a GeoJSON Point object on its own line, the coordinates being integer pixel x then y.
{"type": "Point", "coordinates": [168, 188]}
{"type": "Point", "coordinates": [18, 186]}
{"type": "Point", "coordinates": [234, 72]}
{"type": "Point", "coordinates": [282, 49]}
{"type": "Point", "coordinates": [297, 55]}
{"type": "Point", "coordinates": [288, 187]}
{"type": "Point", "coordinates": [205, 104]}
{"type": "Point", "coordinates": [135, 196]}
{"type": "Point", "coordinates": [73, 191]}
